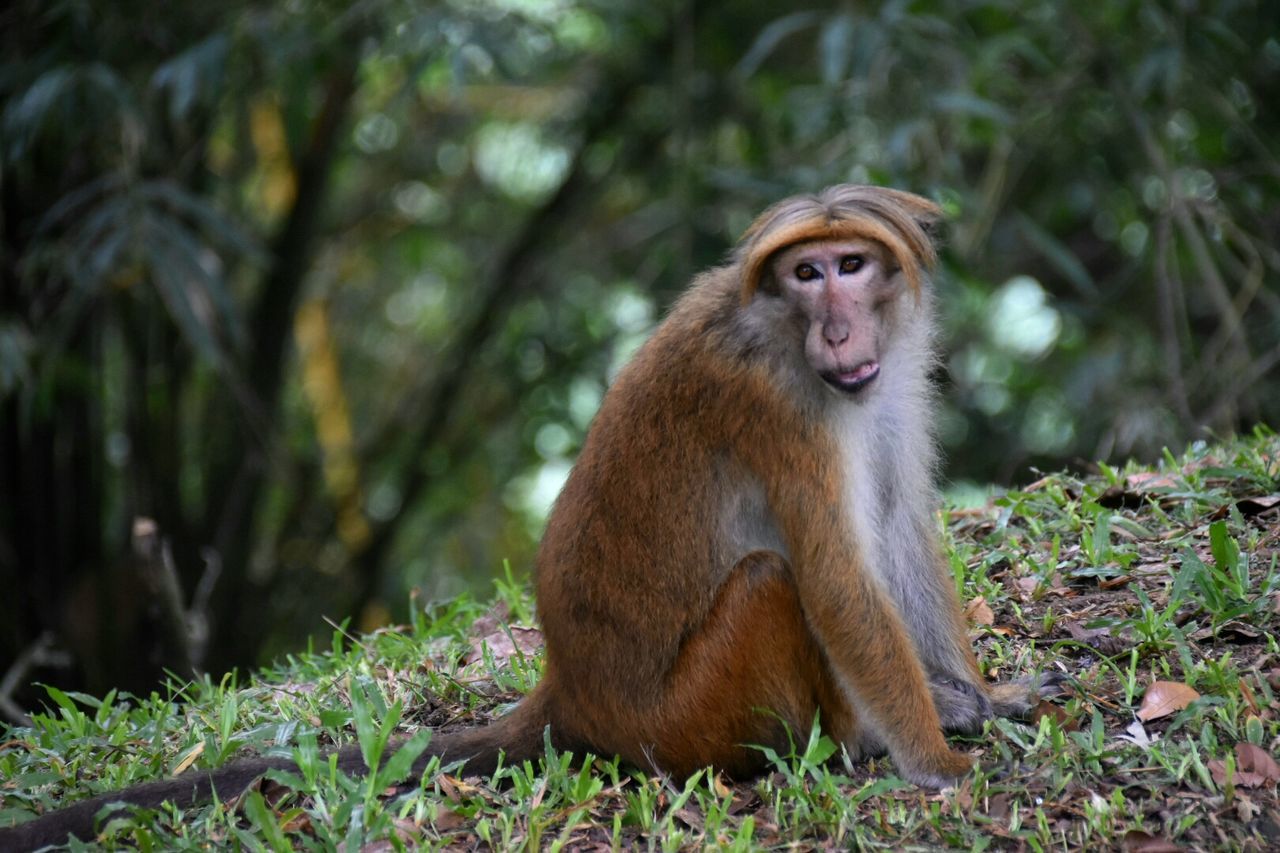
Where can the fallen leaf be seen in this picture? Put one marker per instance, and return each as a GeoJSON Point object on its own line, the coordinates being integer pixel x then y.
{"type": "Point", "coordinates": [1256, 760]}
{"type": "Point", "coordinates": [505, 644]}
{"type": "Point", "coordinates": [961, 797]}
{"type": "Point", "coordinates": [1137, 841]}
{"type": "Point", "coordinates": [1027, 587]}
{"type": "Point", "coordinates": [1058, 587]}
{"type": "Point", "coordinates": [1081, 634]}
{"type": "Point", "coordinates": [1096, 638]}
{"type": "Point", "coordinates": [722, 790]}
{"type": "Point", "coordinates": [1254, 768]}
{"type": "Point", "coordinates": [196, 752]}
{"type": "Point", "coordinates": [447, 820]}
{"type": "Point", "coordinates": [1115, 583]}
{"type": "Point", "coordinates": [1232, 632]}
{"type": "Point", "coordinates": [998, 806]}
{"type": "Point", "coordinates": [300, 822]}
{"type": "Point", "coordinates": [1164, 698]}
{"type": "Point", "coordinates": [1147, 480]}
{"type": "Point", "coordinates": [491, 621]}
{"type": "Point", "coordinates": [454, 788]}
{"type": "Point", "coordinates": [1218, 770]}
{"type": "Point", "coordinates": [1045, 708]}
{"type": "Point", "coordinates": [691, 817]}
{"type": "Point", "coordinates": [1247, 506]}
{"type": "Point", "coordinates": [1246, 809]}
{"type": "Point", "coordinates": [977, 612]}
{"type": "Point", "coordinates": [744, 801]}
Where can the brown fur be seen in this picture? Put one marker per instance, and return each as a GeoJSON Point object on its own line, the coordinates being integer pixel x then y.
{"type": "Point", "coordinates": [740, 546]}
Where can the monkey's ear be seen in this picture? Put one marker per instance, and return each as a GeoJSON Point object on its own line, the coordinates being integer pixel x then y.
{"type": "Point", "coordinates": [927, 214]}
{"type": "Point", "coordinates": [934, 226]}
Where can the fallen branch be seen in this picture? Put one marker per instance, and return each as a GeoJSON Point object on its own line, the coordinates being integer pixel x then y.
{"type": "Point", "coordinates": [41, 653]}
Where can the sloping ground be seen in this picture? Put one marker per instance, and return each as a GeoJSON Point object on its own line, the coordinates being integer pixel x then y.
{"type": "Point", "coordinates": [1156, 590]}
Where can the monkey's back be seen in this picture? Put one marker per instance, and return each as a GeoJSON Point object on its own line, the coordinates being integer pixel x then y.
{"type": "Point", "coordinates": [616, 599]}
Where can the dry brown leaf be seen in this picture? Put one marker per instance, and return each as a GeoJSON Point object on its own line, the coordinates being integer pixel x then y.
{"type": "Point", "coordinates": [491, 621]}
{"type": "Point", "coordinates": [1027, 587]}
{"type": "Point", "coordinates": [743, 801]}
{"type": "Point", "coordinates": [1258, 504]}
{"type": "Point", "coordinates": [1256, 760]}
{"type": "Point", "coordinates": [1164, 698]}
{"type": "Point", "coordinates": [1097, 638]}
{"type": "Point", "coordinates": [1145, 480]}
{"type": "Point", "coordinates": [977, 612]}
{"type": "Point", "coordinates": [196, 752]}
{"type": "Point", "coordinates": [1248, 506]}
{"type": "Point", "coordinates": [718, 784]}
{"type": "Point", "coordinates": [1058, 586]}
{"type": "Point", "coordinates": [505, 644]}
{"type": "Point", "coordinates": [691, 817]}
{"type": "Point", "coordinates": [1081, 634]}
{"type": "Point", "coordinates": [1232, 632]}
{"type": "Point", "coordinates": [447, 820]}
{"type": "Point", "coordinates": [1116, 582]}
{"type": "Point", "coordinates": [1045, 708]}
{"type": "Point", "coordinates": [454, 788]}
{"type": "Point", "coordinates": [1137, 841]}
{"type": "Point", "coordinates": [998, 806]}
{"type": "Point", "coordinates": [1031, 588]}
{"type": "Point", "coordinates": [299, 822]}
{"type": "Point", "coordinates": [1239, 779]}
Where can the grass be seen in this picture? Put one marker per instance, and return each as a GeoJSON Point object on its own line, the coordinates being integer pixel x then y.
{"type": "Point", "coordinates": [1123, 579]}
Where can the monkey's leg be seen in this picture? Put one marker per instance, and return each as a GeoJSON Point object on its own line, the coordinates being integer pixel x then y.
{"type": "Point", "coordinates": [748, 672]}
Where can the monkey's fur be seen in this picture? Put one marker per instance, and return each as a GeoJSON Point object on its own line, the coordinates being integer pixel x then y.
{"type": "Point", "coordinates": [747, 537]}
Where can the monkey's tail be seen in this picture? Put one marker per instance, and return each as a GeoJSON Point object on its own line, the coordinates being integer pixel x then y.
{"type": "Point", "coordinates": [517, 737]}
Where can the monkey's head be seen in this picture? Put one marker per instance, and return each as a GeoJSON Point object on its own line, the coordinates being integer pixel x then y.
{"type": "Point", "coordinates": [839, 262]}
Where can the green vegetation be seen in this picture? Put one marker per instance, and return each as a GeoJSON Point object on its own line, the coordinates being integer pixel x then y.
{"type": "Point", "coordinates": [330, 291]}
{"type": "Point", "coordinates": [1155, 589]}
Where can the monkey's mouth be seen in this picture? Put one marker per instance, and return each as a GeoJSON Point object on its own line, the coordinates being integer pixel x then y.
{"type": "Point", "coordinates": [853, 381]}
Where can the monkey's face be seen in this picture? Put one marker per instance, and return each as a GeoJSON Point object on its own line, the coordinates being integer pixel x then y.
{"type": "Point", "coordinates": [839, 292]}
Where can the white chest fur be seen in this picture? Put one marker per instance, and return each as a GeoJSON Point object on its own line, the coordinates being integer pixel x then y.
{"type": "Point", "coordinates": [861, 449]}
{"type": "Point", "coordinates": [887, 463]}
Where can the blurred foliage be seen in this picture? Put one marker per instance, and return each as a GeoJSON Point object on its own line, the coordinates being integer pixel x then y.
{"type": "Point", "coordinates": [332, 291]}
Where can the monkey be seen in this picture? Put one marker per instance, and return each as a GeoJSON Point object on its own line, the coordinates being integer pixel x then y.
{"type": "Point", "coordinates": [747, 540]}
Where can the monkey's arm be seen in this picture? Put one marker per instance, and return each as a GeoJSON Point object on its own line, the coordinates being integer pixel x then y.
{"type": "Point", "coordinates": [875, 660]}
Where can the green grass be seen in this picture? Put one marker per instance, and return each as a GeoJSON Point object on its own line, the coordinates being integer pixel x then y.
{"type": "Point", "coordinates": [1119, 579]}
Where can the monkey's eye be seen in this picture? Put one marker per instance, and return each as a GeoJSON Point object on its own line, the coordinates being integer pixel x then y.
{"type": "Point", "coordinates": [806, 272]}
{"type": "Point", "coordinates": [851, 263]}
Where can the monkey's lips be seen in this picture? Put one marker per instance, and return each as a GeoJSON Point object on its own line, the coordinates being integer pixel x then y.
{"type": "Point", "coordinates": [853, 381]}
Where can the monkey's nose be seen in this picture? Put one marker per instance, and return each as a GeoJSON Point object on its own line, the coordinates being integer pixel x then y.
{"type": "Point", "coordinates": [835, 333]}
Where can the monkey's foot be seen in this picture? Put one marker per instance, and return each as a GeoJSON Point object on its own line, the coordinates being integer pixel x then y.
{"type": "Point", "coordinates": [1016, 698]}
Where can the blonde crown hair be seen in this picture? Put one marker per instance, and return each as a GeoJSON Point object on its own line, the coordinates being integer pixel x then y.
{"type": "Point", "coordinates": [902, 222]}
